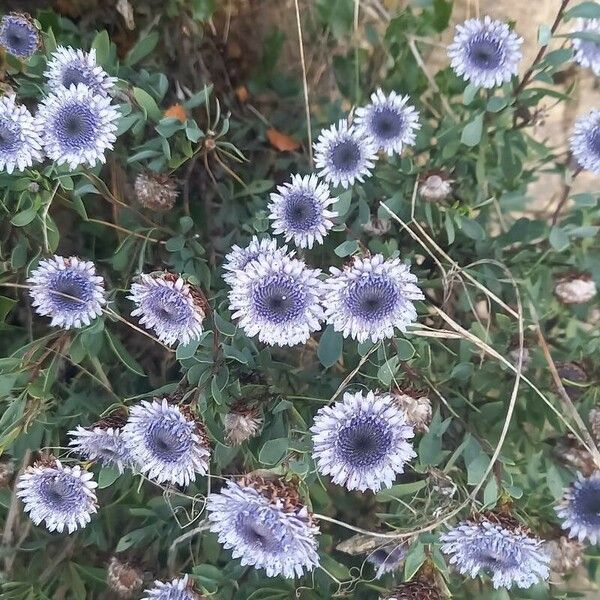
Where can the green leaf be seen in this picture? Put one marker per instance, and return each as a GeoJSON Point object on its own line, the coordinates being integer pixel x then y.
{"type": "Point", "coordinates": [255, 188]}
{"type": "Point", "coordinates": [400, 490]}
{"type": "Point", "coordinates": [586, 10]}
{"type": "Point", "coordinates": [413, 561]}
{"type": "Point", "coordinates": [123, 355]}
{"type": "Point", "coordinates": [107, 476]}
{"type": "Point", "coordinates": [101, 45]}
{"type": "Point", "coordinates": [330, 347]}
{"type": "Point", "coordinates": [387, 371]}
{"type": "Point", "coordinates": [6, 305]}
{"type": "Point", "coordinates": [471, 134]}
{"type": "Point", "coordinates": [496, 104]}
{"type": "Point", "coordinates": [558, 239]}
{"type": "Point", "coordinates": [147, 104]}
{"type": "Point", "coordinates": [544, 35]}
{"type": "Point", "coordinates": [273, 451]}
{"type": "Point", "coordinates": [135, 537]}
{"type": "Point", "coordinates": [346, 248]}
{"type": "Point", "coordinates": [404, 349]}
{"type": "Point", "coordinates": [142, 48]}
{"type": "Point", "coordinates": [472, 229]}
{"type": "Point", "coordinates": [24, 217]}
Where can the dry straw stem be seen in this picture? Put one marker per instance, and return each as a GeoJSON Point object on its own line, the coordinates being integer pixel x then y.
{"type": "Point", "coordinates": [304, 82]}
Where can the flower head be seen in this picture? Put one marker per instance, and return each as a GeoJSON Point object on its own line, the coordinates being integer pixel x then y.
{"type": "Point", "coordinates": [123, 578]}
{"type": "Point", "coordinates": [62, 497]}
{"type": "Point", "coordinates": [242, 422]}
{"type": "Point", "coordinates": [580, 509]}
{"type": "Point", "coordinates": [239, 258]}
{"type": "Point", "coordinates": [300, 211]}
{"type": "Point", "coordinates": [18, 35]}
{"type": "Point", "coordinates": [371, 297]}
{"type": "Point", "coordinates": [577, 288]}
{"type": "Point", "coordinates": [177, 589]}
{"type": "Point", "coordinates": [484, 52]}
{"type": "Point", "coordinates": [70, 66]}
{"type": "Point", "coordinates": [585, 141]}
{"type": "Point", "coordinates": [169, 306]}
{"type": "Point", "coordinates": [156, 191]}
{"type": "Point", "coordinates": [362, 441]}
{"type": "Point", "coordinates": [435, 186]}
{"type": "Point", "coordinates": [388, 559]}
{"type": "Point", "coordinates": [277, 298]}
{"type": "Point", "coordinates": [344, 155]}
{"type": "Point", "coordinates": [389, 121]}
{"type": "Point", "coordinates": [103, 441]}
{"type": "Point", "coordinates": [587, 51]}
{"type": "Point", "coordinates": [266, 525]}
{"type": "Point", "coordinates": [500, 547]}
{"type": "Point", "coordinates": [166, 443]}
{"type": "Point", "coordinates": [67, 290]}
{"type": "Point", "coordinates": [417, 589]}
{"type": "Point", "coordinates": [416, 406]}
{"type": "Point", "coordinates": [20, 139]}
{"type": "Point", "coordinates": [565, 554]}
{"type": "Point", "coordinates": [78, 126]}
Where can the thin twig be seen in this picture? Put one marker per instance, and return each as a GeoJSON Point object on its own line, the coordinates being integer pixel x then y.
{"type": "Point", "coordinates": [304, 83]}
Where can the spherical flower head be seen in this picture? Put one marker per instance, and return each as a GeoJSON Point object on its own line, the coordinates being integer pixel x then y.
{"type": "Point", "coordinates": [18, 35]}
{"type": "Point", "coordinates": [585, 141]}
{"type": "Point", "coordinates": [20, 139]}
{"type": "Point", "coordinates": [169, 306]}
{"type": "Point", "coordinates": [577, 288]}
{"type": "Point", "coordinates": [67, 290]}
{"type": "Point", "coordinates": [580, 509]}
{"type": "Point", "coordinates": [388, 559]}
{"type": "Point", "coordinates": [300, 211]}
{"type": "Point", "coordinates": [166, 443]}
{"type": "Point", "coordinates": [485, 53]}
{"type": "Point", "coordinates": [277, 298]}
{"type": "Point", "coordinates": [239, 258]}
{"type": "Point", "coordinates": [586, 52]}
{"type": "Point", "coordinates": [417, 589]}
{"type": "Point", "coordinates": [362, 441]}
{"type": "Point", "coordinates": [62, 497]}
{"type": "Point", "coordinates": [242, 422]}
{"type": "Point", "coordinates": [124, 579]}
{"type": "Point", "coordinates": [70, 67]}
{"type": "Point", "coordinates": [156, 191]}
{"type": "Point", "coordinates": [435, 186]}
{"type": "Point", "coordinates": [344, 155]}
{"type": "Point", "coordinates": [371, 297]}
{"type": "Point", "coordinates": [78, 126]}
{"type": "Point", "coordinates": [505, 551]}
{"type": "Point", "coordinates": [177, 589]}
{"type": "Point", "coordinates": [102, 442]}
{"type": "Point", "coordinates": [389, 121]}
{"type": "Point", "coordinates": [265, 527]}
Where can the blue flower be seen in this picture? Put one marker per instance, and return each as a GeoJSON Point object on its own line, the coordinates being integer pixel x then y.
{"type": "Point", "coordinates": [169, 306]}
{"type": "Point", "coordinates": [68, 66]}
{"type": "Point", "coordinates": [177, 589]}
{"type": "Point", "coordinates": [505, 551]}
{"type": "Point", "coordinates": [67, 290]}
{"type": "Point", "coordinates": [587, 51]}
{"type": "Point", "coordinates": [20, 139]}
{"type": "Point", "coordinates": [390, 121]}
{"type": "Point", "coordinates": [344, 155]}
{"type": "Point", "coordinates": [388, 559]}
{"type": "Point", "coordinates": [585, 141]}
{"type": "Point", "coordinates": [300, 211]}
{"type": "Point", "coordinates": [266, 531]}
{"type": "Point", "coordinates": [166, 443]}
{"type": "Point", "coordinates": [18, 35]}
{"type": "Point", "coordinates": [580, 509]}
{"type": "Point", "coordinates": [78, 126]}
{"type": "Point", "coordinates": [105, 444]}
{"type": "Point", "coordinates": [485, 53]}
{"type": "Point", "coordinates": [362, 441]}
{"type": "Point", "coordinates": [238, 258]}
{"type": "Point", "coordinates": [277, 298]}
{"type": "Point", "coordinates": [370, 297]}
{"type": "Point", "coordinates": [62, 497]}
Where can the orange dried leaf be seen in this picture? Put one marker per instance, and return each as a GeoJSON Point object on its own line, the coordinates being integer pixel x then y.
{"type": "Point", "coordinates": [176, 112]}
{"type": "Point", "coordinates": [281, 141]}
